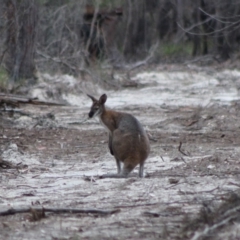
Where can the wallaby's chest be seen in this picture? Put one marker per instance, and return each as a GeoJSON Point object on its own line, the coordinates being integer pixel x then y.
{"type": "Point", "coordinates": [105, 125]}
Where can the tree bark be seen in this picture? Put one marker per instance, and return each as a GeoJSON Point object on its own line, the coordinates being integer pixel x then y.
{"type": "Point", "coordinates": [21, 39]}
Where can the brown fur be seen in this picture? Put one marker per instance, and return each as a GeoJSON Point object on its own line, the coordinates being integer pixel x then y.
{"type": "Point", "coordinates": [128, 141]}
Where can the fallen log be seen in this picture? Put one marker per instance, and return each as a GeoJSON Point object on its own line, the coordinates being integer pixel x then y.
{"type": "Point", "coordinates": [15, 100]}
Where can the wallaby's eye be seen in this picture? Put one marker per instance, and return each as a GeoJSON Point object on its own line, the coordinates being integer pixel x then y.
{"type": "Point", "coordinates": [95, 108]}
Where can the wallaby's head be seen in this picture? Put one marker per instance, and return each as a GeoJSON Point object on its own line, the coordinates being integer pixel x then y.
{"type": "Point", "coordinates": [97, 105]}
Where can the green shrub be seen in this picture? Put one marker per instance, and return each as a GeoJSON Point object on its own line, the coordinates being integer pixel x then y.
{"type": "Point", "coordinates": [171, 49]}
{"type": "Point", "coordinates": [3, 78]}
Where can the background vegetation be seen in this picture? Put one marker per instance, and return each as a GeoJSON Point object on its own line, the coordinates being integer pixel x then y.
{"type": "Point", "coordinates": [73, 36]}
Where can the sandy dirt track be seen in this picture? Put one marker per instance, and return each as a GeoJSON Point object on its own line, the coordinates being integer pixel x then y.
{"type": "Point", "coordinates": [60, 159]}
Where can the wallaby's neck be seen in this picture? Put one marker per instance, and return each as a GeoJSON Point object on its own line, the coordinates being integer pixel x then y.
{"type": "Point", "coordinates": [109, 119]}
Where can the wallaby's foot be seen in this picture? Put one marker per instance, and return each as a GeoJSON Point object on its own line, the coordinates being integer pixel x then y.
{"type": "Point", "coordinates": [113, 175]}
{"type": "Point", "coordinates": [119, 175]}
{"type": "Point", "coordinates": [146, 175]}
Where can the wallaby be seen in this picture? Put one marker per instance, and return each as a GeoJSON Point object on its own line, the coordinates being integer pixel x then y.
{"type": "Point", "coordinates": [128, 141]}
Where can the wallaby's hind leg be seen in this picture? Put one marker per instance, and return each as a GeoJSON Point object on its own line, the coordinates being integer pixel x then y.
{"type": "Point", "coordinates": [127, 168]}
{"type": "Point", "coordinates": [118, 166]}
{"type": "Point", "coordinates": [141, 168]}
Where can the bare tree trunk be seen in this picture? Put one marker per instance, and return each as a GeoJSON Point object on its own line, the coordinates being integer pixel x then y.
{"type": "Point", "coordinates": [21, 39]}
{"type": "Point", "coordinates": [179, 16]}
{"type": "Point", "coordinates": [129, 22]}
{"type": "Point", "coordinates": [196, 37]}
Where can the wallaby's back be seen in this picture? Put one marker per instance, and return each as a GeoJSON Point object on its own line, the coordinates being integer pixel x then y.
{"type": "Point", "coordinates": [129, 141]}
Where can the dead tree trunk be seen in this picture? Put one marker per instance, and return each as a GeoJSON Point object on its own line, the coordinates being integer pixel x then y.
{"type": "Point", "coordinates": [20, 39]}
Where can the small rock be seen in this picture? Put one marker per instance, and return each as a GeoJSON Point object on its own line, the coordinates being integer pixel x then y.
{"type": "Point", "coordinates": [173, 180]}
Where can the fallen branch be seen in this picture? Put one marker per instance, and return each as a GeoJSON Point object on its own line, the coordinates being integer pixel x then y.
{"type": "Point", "coordinates": [155, 214]}
{"type": "Point", "coordinates": [13, 211]}
{"type": "Point", "coordinates": [208, 230]}
{"type": "Point", "coordinates": [83, 121]}
{"type": "Point", "coordinates": [179, 149]}
{"type": "Point", "coordinates": [16, 99]}
{"type": "Point", "coordinates": [15, 111]}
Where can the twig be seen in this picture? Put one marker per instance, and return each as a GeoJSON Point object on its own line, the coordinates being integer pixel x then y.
{"type": "Point", "coordinates": [179, 149]}
{"type": "Point", "coordinates": [173, 185]}
{"type": "Point", "coordinates": [137, 205]}
{"type": "Point", "coordinates": [83, 121]}
{"type": "Point", "coordinates": [202, 58]}
{"type": "Point", "coordinates": [57, 60]}
{"type": "Point", "coordinates": [147, 59]}
{"type": "Point", "coordinates": [213, 17]}
{"type": "Point", "coordinates": [207, 230]}
{"type": "Point", "coordinates": [24, 185]}
{"type": "Point", "coordinates": [15, 111]}
{"type": "Point", "coordinates": [209, 33]}
{"type": "Point", "coordinates": [13, 211]}
{"type": "Point", "coordinates": [155, 214]}
{"type": "Point", "coordinates": [195, 192]}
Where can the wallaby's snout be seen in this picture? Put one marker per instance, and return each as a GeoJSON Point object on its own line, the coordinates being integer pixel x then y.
{"type": "Point", "coordinates": [91, 113]}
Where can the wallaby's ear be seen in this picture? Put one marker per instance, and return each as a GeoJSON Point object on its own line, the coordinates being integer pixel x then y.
{"type": "Point", "coordinates": [93, 99]}
{"type": "Point", "coordinates": [103, 99]}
